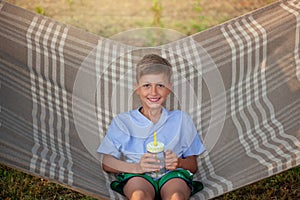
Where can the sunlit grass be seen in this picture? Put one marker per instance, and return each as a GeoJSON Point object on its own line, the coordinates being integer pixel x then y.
{"type": "Point", "coordinates": [18, 185]}
{"type": "Point", "coordinates": [285, 185]}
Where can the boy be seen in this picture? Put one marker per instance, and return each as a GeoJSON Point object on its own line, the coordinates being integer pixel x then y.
{"type": "Point", "coordinates": [124, 146]}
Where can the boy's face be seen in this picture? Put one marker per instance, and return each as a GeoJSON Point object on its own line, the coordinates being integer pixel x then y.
{"type": "Point", "coordinates": [153, 90]}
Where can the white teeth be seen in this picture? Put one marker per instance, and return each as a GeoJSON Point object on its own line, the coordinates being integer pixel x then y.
{"type": "Point", "coordinates": [154, 99]}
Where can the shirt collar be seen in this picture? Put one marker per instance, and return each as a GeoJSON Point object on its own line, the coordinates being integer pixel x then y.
{"type": "Point", "coordinates": [142, 121]}
{"type": "Point", "coordinates": [145, 120]}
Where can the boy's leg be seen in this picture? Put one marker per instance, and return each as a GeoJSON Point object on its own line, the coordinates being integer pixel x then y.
{"type": "Point", "coordinates": [175, 188]}
{"type": "Point", "coordinates": [139, 188]}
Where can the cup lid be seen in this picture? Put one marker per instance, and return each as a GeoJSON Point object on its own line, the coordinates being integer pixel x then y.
{"type": "Point", "coordinates": [155, 149]}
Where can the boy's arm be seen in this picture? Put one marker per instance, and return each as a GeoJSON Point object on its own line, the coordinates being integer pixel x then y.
{"type": "Point", "coordinates": [189, 163]}
{"type": "Point", "coordinates": [111, 164]}
{"type": "Point", "coordinates": [114, 165]}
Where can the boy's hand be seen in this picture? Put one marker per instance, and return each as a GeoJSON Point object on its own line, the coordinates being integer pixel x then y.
{"type": "Point", "coordinates": [147, 164]}
{"type": "Point", "coordinates": [171, 160]}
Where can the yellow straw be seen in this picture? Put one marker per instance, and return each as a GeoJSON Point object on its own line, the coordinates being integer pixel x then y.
{"type": "Point", "coordinates": [155, 141]}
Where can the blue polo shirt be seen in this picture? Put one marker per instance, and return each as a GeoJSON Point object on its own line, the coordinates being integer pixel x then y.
{"type": "Point", "coordinates": [130, 132]}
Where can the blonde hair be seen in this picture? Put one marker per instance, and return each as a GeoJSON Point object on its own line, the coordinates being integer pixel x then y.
{"type": "Point", "coordinates": [153, 64]}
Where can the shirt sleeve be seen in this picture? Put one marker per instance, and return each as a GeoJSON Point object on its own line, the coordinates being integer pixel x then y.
{"type": "Point", "coordinates": [112, 142]}
{"type": "Point", "coordinates": [191, 138]}
{"type": "Point", "coordinates": [196, 148]}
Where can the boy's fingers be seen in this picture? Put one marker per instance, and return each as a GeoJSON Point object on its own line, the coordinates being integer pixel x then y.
{"type": "Point", "coordinates": [149, 158]}
{"type": "Point", "coordinates": [169, 152]}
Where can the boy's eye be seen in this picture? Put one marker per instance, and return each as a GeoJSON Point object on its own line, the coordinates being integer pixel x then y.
{"type": "Point", "coordinates": [146, 85]}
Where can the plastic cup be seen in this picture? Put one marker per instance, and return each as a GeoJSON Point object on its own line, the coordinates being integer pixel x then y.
{"type": "Point", "coordinates": [158, 151]}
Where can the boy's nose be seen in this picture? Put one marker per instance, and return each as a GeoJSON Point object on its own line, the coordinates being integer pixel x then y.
{"type": "Point", "coordinates": [153, 90]}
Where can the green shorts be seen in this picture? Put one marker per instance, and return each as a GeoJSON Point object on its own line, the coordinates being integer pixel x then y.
{"type": "Point", "coordinates": [187, 176]}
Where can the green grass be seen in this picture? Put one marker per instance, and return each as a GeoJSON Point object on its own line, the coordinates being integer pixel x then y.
{"type": "Point", "coordinates": [18, 185]}
{"type": "Point", "coordinates": [285, 185]}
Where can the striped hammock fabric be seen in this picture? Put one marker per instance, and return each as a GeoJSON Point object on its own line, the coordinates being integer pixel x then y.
{"type": "Point", "coordinates": [240, 82]}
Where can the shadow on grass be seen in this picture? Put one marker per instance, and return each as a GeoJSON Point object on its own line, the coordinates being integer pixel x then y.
{"type": "Point", "coordinates": [18, 185]}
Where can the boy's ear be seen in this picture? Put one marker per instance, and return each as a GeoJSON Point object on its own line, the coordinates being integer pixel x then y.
{"type": "Point", "coordinates": [170, 87]}
{"type": "Point", "coordinates": [136, 87]}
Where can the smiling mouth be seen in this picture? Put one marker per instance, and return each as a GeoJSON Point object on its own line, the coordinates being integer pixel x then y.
{"type": "Point", "coordinates": [153, 100]}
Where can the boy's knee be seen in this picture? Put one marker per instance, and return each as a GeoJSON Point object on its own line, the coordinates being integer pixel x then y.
{"type": "Point", "coordinates": [175, 196]}
{"type": "Point", "coordinates": [178, 196]}
{"type": "Point", "coordinates": [141, 194]}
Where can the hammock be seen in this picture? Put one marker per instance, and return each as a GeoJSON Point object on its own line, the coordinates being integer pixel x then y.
{"type": "Point", "coordinates": [240, 82]}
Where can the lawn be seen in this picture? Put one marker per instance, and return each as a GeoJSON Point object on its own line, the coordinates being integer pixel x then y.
{"type": "Point", "coordinates": [106, 18]}
{"type": "Point", "coordinates": [18, 185]}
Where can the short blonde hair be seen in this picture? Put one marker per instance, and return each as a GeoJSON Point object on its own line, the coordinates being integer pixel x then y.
{"type": "Point", "coordinates": [153, 64]}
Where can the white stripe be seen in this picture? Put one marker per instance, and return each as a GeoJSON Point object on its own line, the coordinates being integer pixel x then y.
{"type": "Point", "coordinates": [57, 105]}
{"type": "Point", "coordinates": [179, 87]}
{"type": "Point", "coordinates": [181, 79]}
{"type": "Point", "coordinates": [65, 106]}
{"type": "Point", "coordinates": [114, 100]}
{"type": "Point", "coordinates": [36, 146]}
{"type": "Point", "coordinates": [297, 36]}
{"type": "Point", "coordinates": [269, 104]}
{"type": "Point", "coordinates": [98, 88]}
{"type": "Point", "coordinates": [257, 127]}
{"type": "Point", "coordinates": [294, 3]}
{"type": "Point", "coordinates": [239, 94]}
{"type": "Point", "coordinates": [254, 117]}
{"type": "Point", "coordinates": [198, 63]}
{"type": "Point", "coordinates": [253, 139]}
{"type": "Point", "coordinates": [122, 82]}
{"type": "Point", "coordinates": [119, 52]}
{"type": "Point", "coordinates": [272, 112]}
{"type": "Point", "coordinates": [232, 102]}
{"type": "Point", "coordinates": [104, 64]}
{"type": "Point", "coordinates": [49, 100]}
{"type": "Point", "coordinates": [41, 95]}
{"type": "Point", "coordinates": [211, 172]}
{"type": "Point", "coordinates": [215, 176]}
{"type": "Point", "coordinates": [99, 117]}
{"type": "Point", "coordinates": [129, 85]}
{"type": "Point", "coordinates": [189, 84]}
{"type": "Point", "coordinates": [164, 55]}
{"type": "Point", "coordinates": [106, 100]}
{"type": "Point", "coordinates": [204, 176]}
